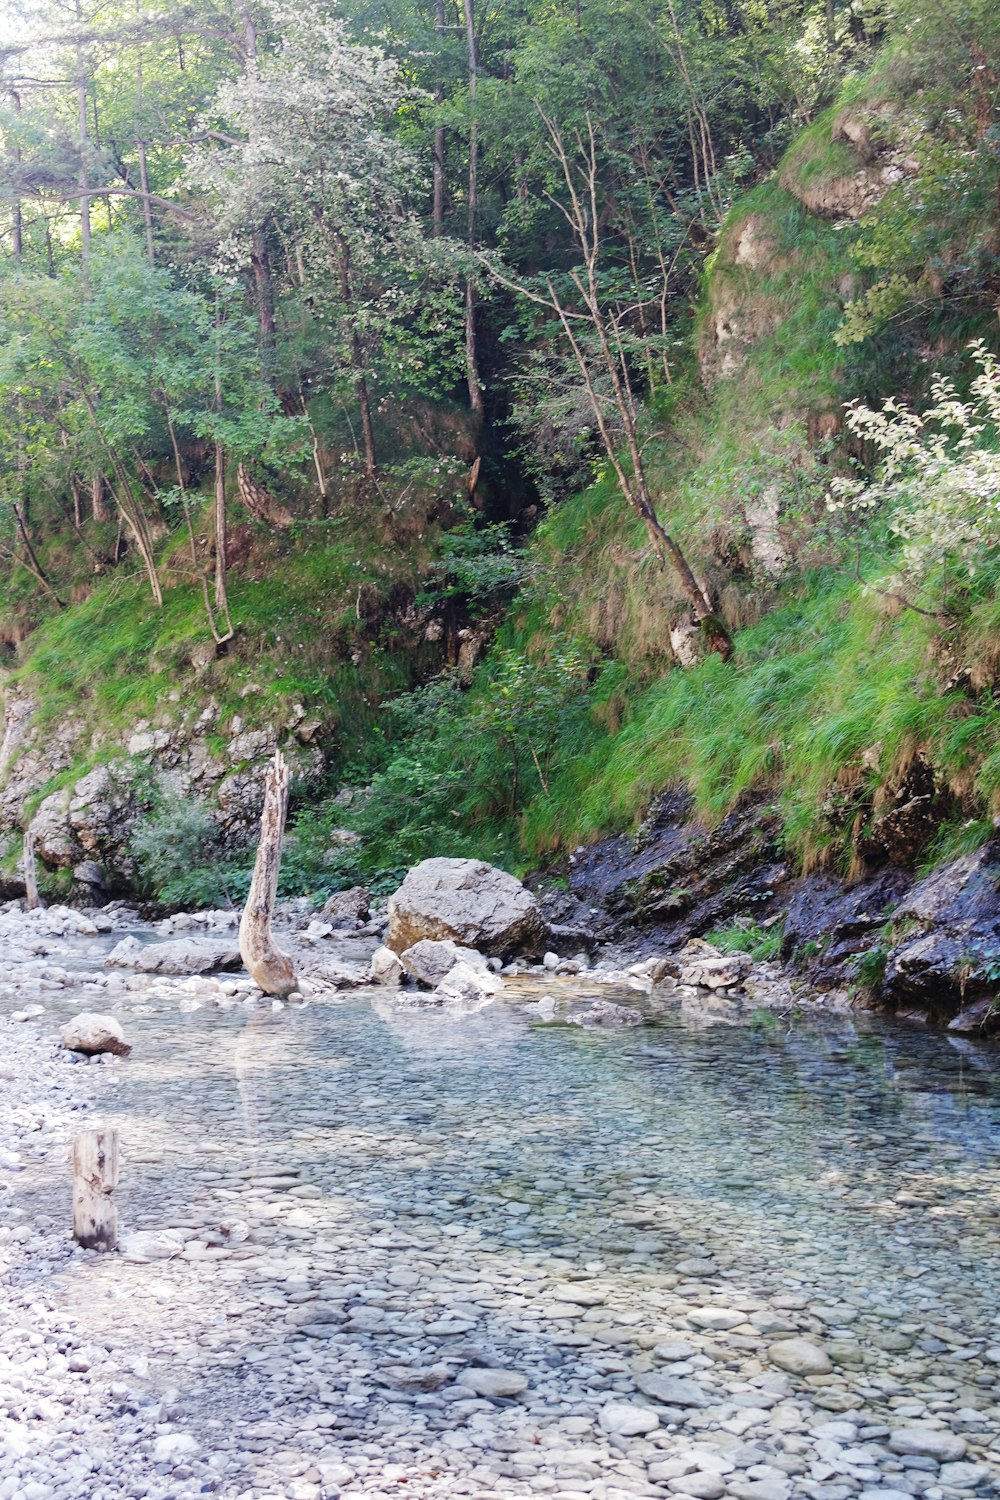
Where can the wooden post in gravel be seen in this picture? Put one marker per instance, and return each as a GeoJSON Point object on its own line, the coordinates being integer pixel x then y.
{"type": "Point", "coordinates": [31, 899]}
{"type": "Point", "coordinates": [265, 962]}
{"type": "Point", "coordinates": [95, 1173]}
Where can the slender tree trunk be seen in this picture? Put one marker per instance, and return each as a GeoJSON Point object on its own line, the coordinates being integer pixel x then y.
{"type": "Point", "coordinates": [260, 256]}
{"type": "Point", "coordinates": [471, 347]}
{"type": "Point", "coordinates": [17, 226]}
{"type": "Point", "coordinates": [263, 279]}
{"type": "Point", "coordinates": [438, 211]}
{"type": "Point", "coordinates": [34, 566]}
{"type": "Point", "coordinates": [97, 511]}
{"type": "Point", "coordinates": [221, 531]}
{"type": "Point", "coordinates": [83, 144]}
{"type": "Point", "coordinates": [147, 208]}
{"type": "Point", "coordinates": [341, 254]}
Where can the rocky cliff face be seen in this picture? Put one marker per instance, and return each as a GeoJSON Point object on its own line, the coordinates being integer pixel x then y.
{"type": "Point", "coordinates": [928, 949]}
{"type": "Point", "coordinates": [85, 825]}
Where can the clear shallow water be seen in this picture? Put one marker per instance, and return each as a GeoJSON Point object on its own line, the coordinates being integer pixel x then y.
{"type": "Point", "coordinates": [448, 1176]}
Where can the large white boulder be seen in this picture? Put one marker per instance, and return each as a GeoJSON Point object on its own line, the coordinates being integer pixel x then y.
{"type": "Point", "coordinates": [179, 956]}
{"type": "Point", "coordinates": [89, 1032]}
{"type": "Point", "coordinates": [468, 901]}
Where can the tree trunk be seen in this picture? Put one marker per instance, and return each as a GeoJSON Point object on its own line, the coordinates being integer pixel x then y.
{"type": "Point", "coordinates": [471, 347]}
{"type": "Point", "coordinates": [364, 402]}
{"type": "Point", "coordinates": [260, 261]}
{"type": "Point", "coordinates": [82, 142]}
{"type": "Point", "coordinates": [271, 969]}
{"type": "Point", "coordinates": [17, 228]}
{"type": "Point", "coordinates": [95, 1175]}
{"type": "Point", "coordinates": [147, 209]}
{"type": "Point", "coordinates": [440, 25]}
{"type": "Point", "coordinates": [97, 510]}
{"type": "Point", "coordinates": [221, 530]}
{"type": "Point", "coordinates": [341, 255]}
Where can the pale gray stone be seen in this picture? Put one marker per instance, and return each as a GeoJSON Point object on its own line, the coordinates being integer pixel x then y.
{"type": "Point", "coordinates": [493, 1382]}
{"type": "Point", "coordinates": [628, 1419]}
{"type": "Point", "coordinates": [89, 1032]}
{"type": "Point", "coordinates": [928, 1442]}
{"type": "Point", "coordinates": [800, 1357]}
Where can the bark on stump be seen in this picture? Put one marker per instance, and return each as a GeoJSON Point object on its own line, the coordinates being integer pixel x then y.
{"type": "Point", "coordinates": [95, 1173]}
{"type": "Point", "coordinates": [265, 962]}
{"type": "Point", "coordinates": [31, 899]}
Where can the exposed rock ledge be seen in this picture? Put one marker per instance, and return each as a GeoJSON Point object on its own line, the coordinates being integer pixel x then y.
{"type": "Point", "coordinates": [928, 949]}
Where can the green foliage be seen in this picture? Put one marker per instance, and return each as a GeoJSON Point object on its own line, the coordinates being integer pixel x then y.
{"type": "Point", "coordinates": [178, 835]}
{"type": "Point", "coordinates": [747, 937]}
{"type": "Point", "coordinates": [480, 565]}
{"type": "Point", "coordinates": [870, 967]}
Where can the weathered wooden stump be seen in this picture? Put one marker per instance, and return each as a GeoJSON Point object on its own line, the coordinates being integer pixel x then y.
{"type": "Point", "coordinates": [32, 901]}
{"type": "Point", "coordinates": [95, 1174]}
{"type": "Point", "coordinates": [265, 962]}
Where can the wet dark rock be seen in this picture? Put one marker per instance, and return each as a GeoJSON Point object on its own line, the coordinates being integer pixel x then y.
{"type": "Point", "coordinates": [828, 927]}
{"type": "Point", "coordinates": [907, 817]}
{"type": "Point", "coordinates": [682, 879]}
{"type": "Point", "coordinates": [945, 948]}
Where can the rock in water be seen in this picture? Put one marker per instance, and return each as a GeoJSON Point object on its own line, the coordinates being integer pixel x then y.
{"type": "Point", "coordinates": [181, 956]}
{"type": "Point", "coordinates": [464, 983]}
{"type": "Point", "coordinates": [89, 1032]}
{"type": "Point", "coordinates": [468, 901]}
{"type": "Point", "coordinates": [605, 1013]}
{"type": "Point", "coordinates": [430, 961]}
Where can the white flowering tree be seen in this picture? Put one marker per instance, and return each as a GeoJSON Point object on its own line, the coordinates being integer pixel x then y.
{"type": "Point", "coordinates": [299, 142]}
{"type": "Point", "coordinates": [938, 478]}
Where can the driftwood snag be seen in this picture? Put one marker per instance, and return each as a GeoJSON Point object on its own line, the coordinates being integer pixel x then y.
{"type": "Point", "coordinates": [31, 899]}
{"type": "Point", "coordinates": [95, 1173]}
{"type": "Point", "coordinates": [265, 962]}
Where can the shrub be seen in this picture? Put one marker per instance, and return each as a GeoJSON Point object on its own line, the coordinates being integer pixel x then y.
{"type": "Point", "coordinates": [176, 840]}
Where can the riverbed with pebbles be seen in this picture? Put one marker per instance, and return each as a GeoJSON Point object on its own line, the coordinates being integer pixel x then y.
{"type": "Point", "coordinates": [371, 1250]}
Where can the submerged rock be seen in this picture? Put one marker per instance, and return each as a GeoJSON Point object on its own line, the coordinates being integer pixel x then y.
{"type": "Point", "coordinates": [604, 1013]}
{"type": "Point", "coordinates": [468, 901]}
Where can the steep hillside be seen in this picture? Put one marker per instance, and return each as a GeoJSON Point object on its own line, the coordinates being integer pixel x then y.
{"type": "Point", "coordinates": [854, 731]}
